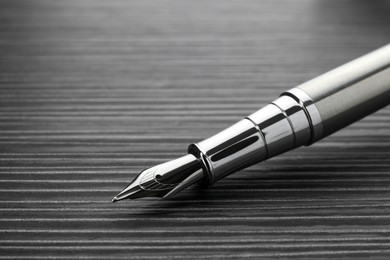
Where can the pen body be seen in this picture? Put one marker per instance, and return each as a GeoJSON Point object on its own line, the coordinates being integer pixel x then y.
{"type": "Point", "coordinates": [300, 116]}
{"type": "Point", "coordinates": [352, 91]}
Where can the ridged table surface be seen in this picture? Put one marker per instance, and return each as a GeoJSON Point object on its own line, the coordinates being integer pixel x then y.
{"type": "Point", "coordinates": [92, 92]}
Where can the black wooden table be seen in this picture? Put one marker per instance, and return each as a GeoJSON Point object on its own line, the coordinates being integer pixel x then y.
{"type": "Point", "coordinates": [92, 92]}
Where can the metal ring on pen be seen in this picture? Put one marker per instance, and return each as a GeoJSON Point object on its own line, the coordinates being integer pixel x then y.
{"type": "Point", "coordinates": [311, 111]}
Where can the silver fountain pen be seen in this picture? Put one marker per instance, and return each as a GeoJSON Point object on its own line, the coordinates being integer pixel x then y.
{"type": "Point", "coordinates": [300, 116]}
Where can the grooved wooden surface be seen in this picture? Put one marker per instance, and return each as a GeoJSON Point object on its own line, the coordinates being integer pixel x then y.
{"type": "Point", "coordinates": [92, 92]}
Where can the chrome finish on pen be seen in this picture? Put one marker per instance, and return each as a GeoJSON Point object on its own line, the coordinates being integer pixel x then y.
{"type": "Point", "coordinates": [280, 126]}
{"type": "Point", "coordinates": [300, 116]}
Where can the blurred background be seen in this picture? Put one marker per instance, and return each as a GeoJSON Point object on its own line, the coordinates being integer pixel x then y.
{"type": "Point", "coordinates": [92, 92]}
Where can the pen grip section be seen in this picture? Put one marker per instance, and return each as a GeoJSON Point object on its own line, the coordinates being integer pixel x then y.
{"type": "Point", "coordinates": [272, 130]}
{"type": "Point", "coordinates": [237, 147]}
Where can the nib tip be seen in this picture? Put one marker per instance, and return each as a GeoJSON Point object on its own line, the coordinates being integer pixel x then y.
{"type": "Point", "coordinates": [164, 180]}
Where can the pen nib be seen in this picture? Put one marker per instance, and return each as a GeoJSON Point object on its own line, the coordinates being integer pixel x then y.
{"type": "Point", "coordinates": [164, 180]}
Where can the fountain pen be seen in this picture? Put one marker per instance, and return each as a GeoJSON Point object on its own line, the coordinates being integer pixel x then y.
{"type": "Point", "coordinates": [300, 116]}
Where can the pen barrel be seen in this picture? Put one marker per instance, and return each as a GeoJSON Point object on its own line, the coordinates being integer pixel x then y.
{"type": "Point", "coordinates": [351, 91]}
{"type": "Point", "coordinates": [299, 116]}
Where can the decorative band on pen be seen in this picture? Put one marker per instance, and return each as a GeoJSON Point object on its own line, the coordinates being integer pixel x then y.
{"type": "Point", "coordinates": [309, 108]}
{"type": "Point", "coordinates": [290, 121]}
